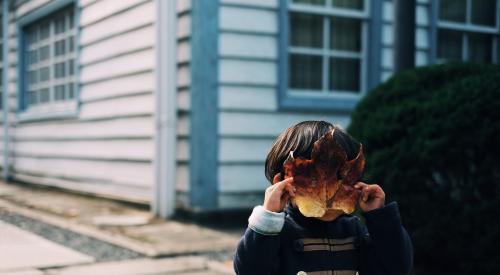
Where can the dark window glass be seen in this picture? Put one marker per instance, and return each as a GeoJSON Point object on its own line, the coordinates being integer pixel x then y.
{"type": "Point", "coordinates": [344, 74]}
{"type": "Point", "coordinates": [345, 34]}
{"type": "Point", "coordinates": [71, 67]}
{"type": "Point", "coordinates": [44, 31]}
{"type": "Point", "coordinates": [453, 10]}
{"type": "Point", "coordinates": [484, 12]}
{"type": "Point", "coordinates": [44, 53]}
{"type": "Point", "coordinates": [306, 30]}
{"type": "Point", "coordinates": [305, 72]}
{"type": "Point", "coordinates": [59, 92]}
{"type": "Point", "coordinates": [59, 48]}
{"type": "Point", "coordinates": [348, 4]}
{"type": "Point", "coordinates": [480, 48]}
{"type": "Point", "coordinates": [60, 70]}
{"type": "Point", "coordinates": [71, 91]}
{"type": "Point", "coordinates": [44, 95]}
{"type": "Point", "coordinates": [44, 74]}
{"type": "Point", "coordinates": [450, 45]}
{"type": "Point", "coordinates": [310, 2]}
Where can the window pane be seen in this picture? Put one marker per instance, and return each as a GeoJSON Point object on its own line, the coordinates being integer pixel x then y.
{"type": "Point", "coordinates": [32, 77]}
{"type": "Point", "coordinates": [344, 74]}
{"type": "Point", "coordinates": [32, 97]}
{"type": "Point", "coordinates": [71, 20]}
{"type": "Point", "coordinates": [59, 47]}
{"type": "Point", "coordinates": [31, 35]}
{"type": "Point", "coordinates": [348, 4]}
{"type": "Point", "coordinates": [345, 34]}
{"type": "Point", "coordinates": [59, 70]}
{"type": "Point", "coordinates": [484, 12]}
{"type": "Point", "coordinates": [306, 30]}
{"type": "Point", "coordinates": [305, 72]}
{"type": "Point", "coordinates": [44, 95]}
{"type": "Point", "coordinates": [59, 92]}
{"type": "Point", "coordinates": [449, 45]}
{"type": "Point", "coordinates": [311, 2]}
{"type": "Point", "coordinates": [71, 67]}
{"type": "Point", "coordinates": [32, 57]}
{"type": "Point", "coordinates": [44, 53]}
{"type": "Point", "coordinates": [44, 74]}
{"type": "Point", "coordinates": [44, 31]}
{"type": "Point", "coordinates": [480, 48]}
{"type": "Point", "coordinates": [452, 10]}
{"type": "Point", "coordinates": [71, 91]}
{"type": "Point", "coordinates": [59, 25]}
{"type": "Point", "coordinates": [71, 44]}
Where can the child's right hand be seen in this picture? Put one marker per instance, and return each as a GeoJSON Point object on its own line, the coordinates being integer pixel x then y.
{"type": "Point", "coordinates": [278, 194]}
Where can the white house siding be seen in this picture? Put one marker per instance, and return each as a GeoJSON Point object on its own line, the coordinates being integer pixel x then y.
{"type": "Point", "coordinates": [249, 118]}
{"type": "Point", "coordinates": [183, 99]}
{"type": "Point", "coordinates": [108, 148]}
{"type": "Point", "coordinates": [422, 36]}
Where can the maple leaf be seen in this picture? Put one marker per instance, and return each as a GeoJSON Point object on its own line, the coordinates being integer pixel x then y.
{"type": "Point", "coordinates": [325, 183]}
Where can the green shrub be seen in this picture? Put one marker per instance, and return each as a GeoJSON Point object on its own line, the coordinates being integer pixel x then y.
{"type": "Point", "coordinates": [431, 138]}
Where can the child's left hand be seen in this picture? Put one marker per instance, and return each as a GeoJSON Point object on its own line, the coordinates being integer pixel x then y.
{"type": "Point", "coordinates": [372, 196]}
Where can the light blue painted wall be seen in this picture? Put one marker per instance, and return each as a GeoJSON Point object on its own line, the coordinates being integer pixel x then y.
{"type": "Point", "coordinates": [106, 148]}
{"type": "Point", "coordinates": [249, 115]}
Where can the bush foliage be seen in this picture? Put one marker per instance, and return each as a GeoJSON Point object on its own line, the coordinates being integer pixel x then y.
{"type": "Point", "coordinates": [431, 137]}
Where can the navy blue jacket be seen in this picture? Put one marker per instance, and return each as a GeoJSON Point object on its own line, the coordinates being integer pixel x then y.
{"type": "Point", "coordinates": [343, 246]}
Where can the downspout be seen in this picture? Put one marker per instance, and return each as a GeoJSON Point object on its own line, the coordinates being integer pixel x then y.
{"type": "Point", "coordinates": [5, 93]}
{"type": "Point", "coordinates": [165, 161]}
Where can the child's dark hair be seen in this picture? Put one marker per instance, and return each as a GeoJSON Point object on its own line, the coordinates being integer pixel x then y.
{"type": "Point", "coordinates": [300, 139]}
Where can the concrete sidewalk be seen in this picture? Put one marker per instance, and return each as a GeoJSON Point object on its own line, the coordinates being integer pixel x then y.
{"type": "Point", "coordinates": [24, 253]}
{"type": "Point", "coordinates": [125, 226]}
{"type": "Point", "coordinates": [20, 250]}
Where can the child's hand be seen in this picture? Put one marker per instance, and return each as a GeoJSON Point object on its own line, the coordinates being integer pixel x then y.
{"type": "Point", "coordinates": [278, 194]}
{"type": "Point", "coordinates": [372, 196]}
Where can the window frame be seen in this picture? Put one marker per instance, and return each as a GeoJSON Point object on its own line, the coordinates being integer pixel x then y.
{"type": "Point", "coordinates": [466, 29]}
{"type": "Point", "coordinates": [51, 110]}
{"type": "Point", "coordinates": [370, 56]}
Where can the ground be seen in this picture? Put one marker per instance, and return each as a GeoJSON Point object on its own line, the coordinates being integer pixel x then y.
{"type": "Point", "coordinates": [46, 231]}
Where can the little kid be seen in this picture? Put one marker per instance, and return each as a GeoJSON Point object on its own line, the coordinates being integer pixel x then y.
{"type": "Point", "coordinates": [280, 240]}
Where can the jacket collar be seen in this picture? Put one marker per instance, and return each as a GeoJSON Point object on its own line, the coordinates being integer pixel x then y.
{"type": "Point", "coordinates": [300, 219]}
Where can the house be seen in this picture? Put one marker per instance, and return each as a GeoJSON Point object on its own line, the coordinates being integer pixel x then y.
{"type": "Point", "coordinates": [175, 103]}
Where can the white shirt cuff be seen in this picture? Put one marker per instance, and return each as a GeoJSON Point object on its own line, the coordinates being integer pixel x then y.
{"type": "Point", "coordinates": [266, 222]}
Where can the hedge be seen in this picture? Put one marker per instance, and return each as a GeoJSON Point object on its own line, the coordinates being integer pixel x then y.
{"type": "Point", "coordinates": [431, 137]}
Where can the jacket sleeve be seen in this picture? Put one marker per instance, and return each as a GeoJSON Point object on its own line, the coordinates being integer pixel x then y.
{"type": "Point", "coordinates": [387, 249]}
{"type": "Point", "coordinates": [258, 249]}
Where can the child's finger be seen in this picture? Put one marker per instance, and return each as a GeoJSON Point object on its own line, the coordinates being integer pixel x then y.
{"type": "Point", "coordinates": [370, 191]}
{"type": "Point", "coordinates": [279, 186]}
{"type": "Point", "coordinates": [276, 178]}
{"type": "Point", "coordinates": [360, 185]}
{"type": "Point", "coordinates": [290, 189]}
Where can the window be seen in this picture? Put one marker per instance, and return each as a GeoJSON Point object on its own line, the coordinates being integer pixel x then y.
{"type": "Point", "coordinates": [326, 52]}
{"type": "Point", "coordinates": [468, 30]}
{"type": "Point", "coordinates": [49, 62]}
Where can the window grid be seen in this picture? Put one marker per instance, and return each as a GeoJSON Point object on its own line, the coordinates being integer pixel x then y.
{"type": "Point", "coordinates": [330, 13]}
{"type": "Point", "coordinates": [467, 30]}
{"type": "Point", "coordinates": [50, 59]}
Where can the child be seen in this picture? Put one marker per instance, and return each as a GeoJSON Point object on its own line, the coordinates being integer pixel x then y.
{"type": "Point", "coordinates": [280, 240]}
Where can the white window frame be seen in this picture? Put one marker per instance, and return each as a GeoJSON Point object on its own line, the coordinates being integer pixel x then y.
{"type": "Point", "coordinates": [52, 109]}
{"type": "Point", "coordinates": [469, 27]}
